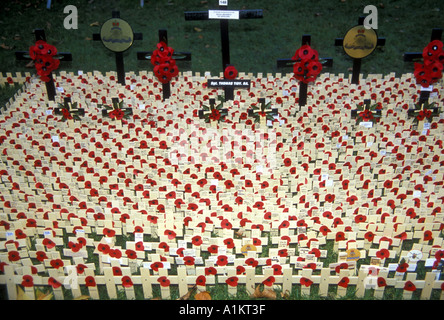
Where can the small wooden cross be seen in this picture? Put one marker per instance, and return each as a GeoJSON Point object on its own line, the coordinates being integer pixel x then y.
{"type": "Point", "coordinates": [269, 113]}
{"type": "Point", "coordinates": [354, 113]}
{"type": "Point", "coordinates": [115, 102]}
{"type": "Point", "coordinates": [223, 15]}
{"type": "Point", "coordinates": [178, 56]}
{"type": "Point", "coordinates": [361, 48]}
{"type": "Point", "coordinates": [67, 103]}
{"type": "Point", "coordinates": [62, 56]}
{"type": "Point", "coordinates": [117, 36]}
{"type": "Point", "coordinates": [204, 112]}
{"type": "Point", "coordinates": [283, 63]}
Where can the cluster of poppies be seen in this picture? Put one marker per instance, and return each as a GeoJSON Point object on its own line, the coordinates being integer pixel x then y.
{"type": "Point", "coordinates": [307, 66]}
{"type": "Point", "coordinates": [165, 67]}
{"type": "Point", "coordinates": [430, 71]}
{"type": "Point", "coordinates": [45, 62]}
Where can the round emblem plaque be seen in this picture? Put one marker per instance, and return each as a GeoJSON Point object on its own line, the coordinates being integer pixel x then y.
{"type": "Point", "coordinates": [117, 35]}
{"type": "Point", "coordinates": [359, 42]}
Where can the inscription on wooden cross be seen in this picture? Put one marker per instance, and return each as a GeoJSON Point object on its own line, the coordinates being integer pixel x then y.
{"type": "Point", "coordinates": [117, 36]}
{"type": "Point", "coordinates": [283, 63]}
{"type": "Point", "coordinates": [178, 56]}
{"type": "Point", "coordinates": [224, 15]}
{"type": "Point", "coordinates": [358, 43]}
{"type": "Point", "coordinates": [62, 56]}
{"type": "Point", "coordinates": [229, 85]}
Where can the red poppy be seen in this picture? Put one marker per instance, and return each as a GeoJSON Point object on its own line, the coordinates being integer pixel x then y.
{"type": "Point", "coordinates": [269, 281]}
{"type": "Point", "coordinates": [90, 281]}
{"type": "Point", "coordinates": [402, 267]}
{"type": "Point", "coordinates": [188, 261]}
{"type": "Point", "coordinates": [341, 266]}
{"type": "Point", "coordinates": [127, 282]}
{"type": "Point", "coordinates": [109, 232]}
{"type": "Point", "coordinates": [344, 282]}
{"type": "Point", "coordinates": [27, 281]}
{"type": "Point", "coordinates": [41, 255]}
{"type": "Point", "coordinates": [164, 282]}
{"type": "Point", "coordinates": [428, 235]}
{"type": "Point", "coordinates": [409, 286]}
{"type": "Point", "coordinates": [54, 283]}
{"type": "Point", "coordinates": [115, 253]}
{"type": "Point", "coordinates": [383, 253]}
{"type": "Point", "coordinates": [324, 230]}
{"type": "Point", "coordinates": [81, 268]}
{"type": "Point", "coordinates": [156, 266]}
{"type": "Point", "coordinates": [251, 262]}
{"type": "Point", "coordinates": [240, 270]}
{"type": "Point", "coordinates": [229, 243]}
{"type": "Point", "coordinates": [283, 253]}
{"type": "Point", "coordinates": [201, 280]}
{"type": "Point", "coordinates": [210, 271]}
{"type": "Point", "coordinates": [381, 282]}
{"type": "Point", "coordinates": [103, 247]}
{"type": "Point", "coordinates": [196, 240]}
{"type": "Point", "coordinates": [131, 254]}
{"type": "Point", "coordinates": [340, 236]}
{"type": "Point", "coordinates": [222, 260]}
{"type": "Point", "coordinates": [226, 224]}
{"type": "Point", "coordinates": [57, 263]}
{"type": "Point", "coordinates": [305, 281]}
{"type": "Point", "coordinates": [369, 236]}
{"type": "Point", "coordinates": [230, 72]}
{"type": "Point", "coordinates": [164, 246]}
{"type": "Point", "coordinates": [171, 234]}
{"type": "Point", "coordinates": [232, 281]}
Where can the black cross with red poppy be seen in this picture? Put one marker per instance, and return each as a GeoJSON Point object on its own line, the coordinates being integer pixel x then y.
{"type": "Point", "coordinates": [412, 56]}
{"type": "Point", "coordinates": [67, 103]}
{"type": "Point", "coordinates": [283, 63]}
{"type": "Point", "coordinates": [367, 107]}
{"type": "Point", "coordinates": [62, 56]}
{"type": "Point", "coordinates": [178, 56]}
{"type": "Point", "coordinates": [357, 62]}
{"type": "Point", "coordinates": [229, 82]}
{"type": "Point", "coordinates": [203, 113]}
{"type": "Point", "coordinates": [119, 55]}
{"type": "Point", "coordinates": [223, 17]}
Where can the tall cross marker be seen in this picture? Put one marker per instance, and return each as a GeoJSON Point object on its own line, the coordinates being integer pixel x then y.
{"type": "Point", "coordinates": [62, 56]}
{"type": "Point", "coordinates": [358, 43]}
{"type": "Point", "coordinates": [224, 15]}
{"type": "Point", "coordinates": [282, 63]}
{"type": "Point", "coordinates": [178, 56]}
{"type": "Point", "coordinates": [117, 36]}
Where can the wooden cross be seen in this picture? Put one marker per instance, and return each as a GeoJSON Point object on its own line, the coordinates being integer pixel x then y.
{"type": "Point", "coordinates": [283, 63]}
{"type": "Point", "coordinates": [117, 36]}
{"type": "Point", "coordinates": [252, 112]}
{"type": "Point", "coordinates": [202, 113]}
{"type": "Point", "coordinates": [115, 102]}
{"type": "Point", "coordinates": [223, 15]}
{"type": "Point", "coordinates": [67, 103]}
{"type": "Point", "coordinates": [354, 113]}
{"type": "Point", "coordinates": [412, 56]}
{"type": "Point", "coordinates": [178, 56]}
{"type": "Point", "coordinates": [228, 85]}
{"type": "Point", "coordinates": [359, 50]}
{"type": "Point", "coordinates": [62, 56]}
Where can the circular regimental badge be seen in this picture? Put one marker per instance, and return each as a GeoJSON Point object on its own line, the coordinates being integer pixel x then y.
{"type": "Point", "coordinates": [353, 254]}
{"type": "Point", "coordinates": [359, 42]}
{"type": "Point", "coordinates": [414, 255]}
{"type": "Point", "coordinates": [117, 35]}
{"type": "Point", "coordinates": [246, 248]}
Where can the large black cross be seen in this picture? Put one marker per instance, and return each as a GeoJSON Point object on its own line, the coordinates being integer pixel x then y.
{"type": "Point", "coordinates": [67, 103]}
{"type": "Point", "coordinates": [119, 55]}
{"type": "Point", "coordinates": [356, 61]}
{"type": "Point", "coordinates": [223, 18]}
{"type": "Point", "coordinates": [62, 56]}
{"type": "Point", "coordinates": [284, 63]}
{"type": "Point", "coordinates": [178, 56]}
{"type": "Point", "coordinates": [412, 56]}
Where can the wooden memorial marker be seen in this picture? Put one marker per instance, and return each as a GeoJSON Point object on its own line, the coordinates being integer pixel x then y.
{"type": "Point", "coordinates": [216, 117]}
{"type": "Point", "coordinates": [283, 63]}
{"type": "Point", "coordinates": [116, 105]}
{"type": "Point", "coordinates": [358, 43]}
{"type": "Point", "coordinates": [412, 56]}
{"type": "Point", "coordinates": [117, 36]}
{"type": "Point", "coordinates": [224, 15]}
{"type": "Point", "coordinates": [178, 56]}
{"type": "Point", "coordinates": [228, 85]}
{"type": "Point", "coordinates": [62, 56]}
{"type": "Point", "coordinates": [67, 103]}
{"type": "Point", "coordinates": [262, 112]}
{"type": "Point", "coordinates": [367, 106]}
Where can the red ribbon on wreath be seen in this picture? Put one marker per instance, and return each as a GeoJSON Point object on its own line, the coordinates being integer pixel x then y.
{"type": "Point", "coordinates": [430, 71]}
{"type": "Point", "coordinates": [307, 66]}
{"type": "Point", "coordinates": [45, 62]}
{"type": "Point", "coordinates": [165, 67]}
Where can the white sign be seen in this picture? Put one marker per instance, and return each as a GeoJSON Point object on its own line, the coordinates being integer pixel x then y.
{"type": "Point", "coordinates": [223, 14]}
